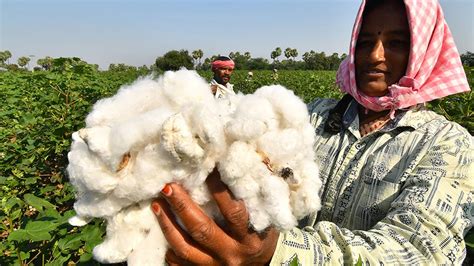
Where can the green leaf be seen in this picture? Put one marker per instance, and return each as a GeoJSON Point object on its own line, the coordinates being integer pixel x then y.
{"type": "Point", "coordinates": [40, 226]}
{"type": "Point", "coordinates": [16, 214]}
{"type": "Point", "coordinates": [10, 203]}
{"type": "Point", "coordinates": [24, 255]}
{"type": "Point", "coordinates": [38, 203]}
{"type": "Point", "coordinates": [359, 262]}
{"type": "Point", "coordinates": [59, 261]}
{"type": "Point", "coordinates": [39, 230]}
{"type": "Point", "coordinates": [68, 214]}
{"type": "Point", "coordinates": [51, 214]}
{"type": "Point", "coordinates": [18, 235]}
{"type": "Point", "coordinates": [70, 242]}
{"type": "Point", "coordinates": [85, 257]}
{"type": "Point", "coordinates": [34, 231]}
{"type": "Point", "coordinates": [29, 119]}
{"type": "Point", "coordinates": [30, 180]}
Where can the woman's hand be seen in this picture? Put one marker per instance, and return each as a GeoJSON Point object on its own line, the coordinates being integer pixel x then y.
{"type": "Point", "coordinates": [203, 241]}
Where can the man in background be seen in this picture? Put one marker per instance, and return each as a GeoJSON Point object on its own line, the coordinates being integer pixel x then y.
{"type": "Point", "coordinates": [222, 67]}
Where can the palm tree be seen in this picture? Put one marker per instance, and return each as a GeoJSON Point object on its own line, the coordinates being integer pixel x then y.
{"type": "Point", "coordinates": [23, 61]}
{"type": "Point", "coordinates": [276, 53]}
{"type": "Point", "coordinates": [2, 59]}
{"type": "Point", "coordinates": [45, 63]}
{"type": "Point", "coordinates": [288, 52]}
{"type": "Point", "coordinates": [197, 55]}
{"type": "Point", "coordinates": [4, 56]}
{"type": "Point", "coordinates": [294, 53]}
{"type": "Point", "coordinates": [8, 55]}
{"type": "Point", "coordinates": [247, 55]}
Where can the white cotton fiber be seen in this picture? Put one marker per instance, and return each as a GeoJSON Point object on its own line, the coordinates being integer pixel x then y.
{"type": "Point", "coordinates": [172, 129]}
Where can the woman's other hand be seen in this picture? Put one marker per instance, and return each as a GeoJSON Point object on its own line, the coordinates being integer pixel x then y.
{"type": "Point", "coordinates": [205, 242]}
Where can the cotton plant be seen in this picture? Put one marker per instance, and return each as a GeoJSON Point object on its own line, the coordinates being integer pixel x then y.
{"type": "Point", "coordinates": [172, 129]}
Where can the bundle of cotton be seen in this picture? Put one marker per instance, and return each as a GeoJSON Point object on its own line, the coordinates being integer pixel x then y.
{"type": "Point", "coordinates": [172, 130]}
{"type": "Point", "coordinates": [272, 124]}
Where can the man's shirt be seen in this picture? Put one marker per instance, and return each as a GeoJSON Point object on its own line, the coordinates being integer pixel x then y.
{"type": "Point", "coordinates": [222, 91]}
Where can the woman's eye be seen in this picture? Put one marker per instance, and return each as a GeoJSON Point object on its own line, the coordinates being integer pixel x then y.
{"type": "Point", "coordinates": [364, 44]}
{"type": "Point", "coordinates": [399, 44]}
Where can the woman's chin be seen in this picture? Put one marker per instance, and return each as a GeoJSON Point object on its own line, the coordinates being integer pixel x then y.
{"type": "Point", "coordinates": [375, 89]}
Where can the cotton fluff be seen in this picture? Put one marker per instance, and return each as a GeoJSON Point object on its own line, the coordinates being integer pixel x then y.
{"type": "Point", "coordinates": [172, 129]}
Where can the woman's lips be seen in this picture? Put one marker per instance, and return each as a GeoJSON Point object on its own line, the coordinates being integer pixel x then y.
{"type": "Point", "coordinates": [375, 73]}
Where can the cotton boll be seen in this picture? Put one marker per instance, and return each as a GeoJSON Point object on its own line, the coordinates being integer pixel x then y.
{"type": "Point", "coordinates": [173, 130]}
{"type": "Point", "coordinates": [78, 220]}
{"type": "Point", "coordinates": [245, 129]}
{"type": "Point", "coordinates": [139, 131]}
{"type": "Point", "coordinates": [305, 198]}
{"type": "Point", "coordinates": [125, 231]}
{"type": "Point", "coordinates": [285, 143]}
{"type": "Point", "coordinates": [265, 195]}
{"type": "Point", "coordinates": [206, 123]}
{"type": "Point", "coordinates": [151, 250]}
{"type": "Point", "coordinates": [229, 104]}
{"type": "Point", "coordinates": [98, 141]}
{"type": "Point", "coordinates": [199, 194]}
{"type": "Point", "coordinates": [277, 204]}
{"type": "Point", "coordinates": [293, 111]}
{"type": "Point", "coordinates": [91, 204]}
{"type": "Point", "coordinates": [242, 170]}
{"type": "Point", "coordinates": [281, 146]}
{"type": "Point", "coordinates": [146, 175]}
{"type": "Point", "coordinates": [258, 218]}
{"type": "Point", "coordinates": [252, 118]}
{"type": "Point", "coordinates": [114, 136]}
{"type": "Point", "coordinates": [86, 171]}
{"type": "Point", "coordinates": [139, 97]}
{"type": "Point", "coordinates": [112, 143]}
{"type": "Point", "coordinates": [184, 87]}
{"type": "Point", "coordinates": [246, 186]}
{"type": "Point", "coordinates": [179, 141]}
{"type": "Point", "coordinates": [308, 137]}
{"type": "Point", "coordinates": [240, 158]}
{"type": "Point", "coordinates": [247, 189]}
{"type": "Point", "coordinates": [195, 138]}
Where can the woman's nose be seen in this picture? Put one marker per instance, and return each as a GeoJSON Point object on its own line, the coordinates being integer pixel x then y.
{"type": "Point", "coordinates": [378, 52]}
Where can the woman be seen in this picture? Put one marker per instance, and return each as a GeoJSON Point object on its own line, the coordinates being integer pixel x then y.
{"type": "Point", "coordinates": [398, 179]}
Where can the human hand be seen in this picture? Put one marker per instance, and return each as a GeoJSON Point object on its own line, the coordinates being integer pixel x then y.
{"type": "Point", "coordinates": [205, 242]}
{"type": "Point", "coordinates": [213, 89]}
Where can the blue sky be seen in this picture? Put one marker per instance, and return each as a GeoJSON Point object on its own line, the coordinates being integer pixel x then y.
{"type": "Point", "coordinates": [136, 32]}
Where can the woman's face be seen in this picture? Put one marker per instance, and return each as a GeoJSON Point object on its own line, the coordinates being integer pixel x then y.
{"type": "Point", "coordinates": [382, 49]}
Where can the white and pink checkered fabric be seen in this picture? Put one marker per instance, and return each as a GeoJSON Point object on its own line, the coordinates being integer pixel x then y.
{"type": "Point", "coordinates": [434, 67]}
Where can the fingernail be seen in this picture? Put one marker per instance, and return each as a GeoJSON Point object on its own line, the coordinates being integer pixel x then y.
{"type": "Point", "coordinates": [155, 207]}
{"type": "Point", "coordinates": [167, 190]}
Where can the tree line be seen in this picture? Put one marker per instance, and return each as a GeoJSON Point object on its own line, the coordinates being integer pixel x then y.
{"type": "Point", "coordinates": [280, 59]}
{"type": "Point", "coordinates": [175, 59]}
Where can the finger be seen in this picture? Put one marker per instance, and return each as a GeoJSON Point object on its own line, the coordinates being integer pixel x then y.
{"type": "Point", "coordinates": [233, 210]}
{"type": "Point", "coordinates": [177, 238]}
{"type": "Point", "coordinates": [199, 226]}
{"type": "Point", "coordinates": [173, 259]}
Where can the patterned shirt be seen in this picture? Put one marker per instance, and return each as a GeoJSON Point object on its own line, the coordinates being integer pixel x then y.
{"type": "Point", "coordinates": [400, 195]}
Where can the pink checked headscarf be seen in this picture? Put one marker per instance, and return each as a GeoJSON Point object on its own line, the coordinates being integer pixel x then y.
{"type": "Point", "coordinates": [434, 67]}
